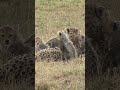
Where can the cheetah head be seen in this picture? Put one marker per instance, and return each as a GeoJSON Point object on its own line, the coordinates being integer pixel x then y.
{"type": "Point", "coordinates": [73, 33]}
{"type": "Point", "coordinates": [8, 36]}
{"type": "Point", "coordinates": [63, 36]}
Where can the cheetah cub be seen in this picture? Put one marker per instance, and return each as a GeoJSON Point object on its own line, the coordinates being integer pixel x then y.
{"type": "Point", "coordinates": [49, 54]}
{"type": "Point", "coordinates": [78, 40]}
{"type": "Point", "coordinates": [64, 39]}
{"type": "Point", "coordinates": [39, 44]}
{"type": "Point", "coordinates": [10, 44]}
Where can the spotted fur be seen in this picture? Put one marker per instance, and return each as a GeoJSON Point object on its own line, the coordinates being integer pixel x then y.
{"type": "Point", "coordinates": [53, 54]}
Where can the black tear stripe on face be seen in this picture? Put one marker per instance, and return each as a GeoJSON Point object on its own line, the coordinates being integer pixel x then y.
{"type": "Point", "coordinates": [20, 16]}
{"type": "Point", "coordinates": [102, 62]}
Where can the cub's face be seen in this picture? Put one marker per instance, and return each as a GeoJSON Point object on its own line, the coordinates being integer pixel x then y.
{"type": "Point", "coordinates": [73, 33]}
{"type": "Point", "coordinates": [7, 36]}
{"type": "Point", "coordinates": [63, 36]}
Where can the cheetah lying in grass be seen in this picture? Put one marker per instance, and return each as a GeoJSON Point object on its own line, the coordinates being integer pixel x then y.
{"type": "Point", "coordinates": [49, 54]}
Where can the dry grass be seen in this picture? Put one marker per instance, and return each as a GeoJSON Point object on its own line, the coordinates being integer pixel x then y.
{"type": "Point", "coordinates": [60, 75]}
{"type": "Point", "coordinates": [56, 15]}
{"type": "Point", "coordinates": [53, 16]}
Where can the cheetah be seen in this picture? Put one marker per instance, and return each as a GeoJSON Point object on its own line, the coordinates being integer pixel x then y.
{"type": "Point", "coordinates": [64, 40]}
{"type": "Point", "coordinates": [54, 42]}
{"type": "Point", "coordinates": [39, 44]}
{"type": "Point", "coordinates": [65, 51]}
{"type": "Point", "coordinates": [49, 54]}
{"type": "Point", "coordinates": [77, 39]}
{"type": "Point", "coordinates": [11, 44]}
{"type": "Point", "coordinates": [18, 69]}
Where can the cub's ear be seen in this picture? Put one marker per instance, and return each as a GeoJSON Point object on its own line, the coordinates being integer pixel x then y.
{"type": "Point", "coordinates": [59, 33]}
{"type": "Point", "coordinates": [76, 30]}
{"type": "Point", "coordinates": [68, 30]}
{"type": "Point", "coordinates": [100, 11]}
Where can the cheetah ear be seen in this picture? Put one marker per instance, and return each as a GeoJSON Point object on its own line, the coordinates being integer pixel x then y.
{"type": "Point", "coordinates": [59, 33]}
{"type": "Point", "coordinates": [76, 30]}
{"type": "Point", "coordinates": [68, 30]}
{"type": "Point", "coordinates": [99, 11]}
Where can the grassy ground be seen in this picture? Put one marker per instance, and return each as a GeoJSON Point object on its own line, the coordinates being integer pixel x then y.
{"type": "Point", "coordinates": [60, 75]}
{"type": "Point", "coordinates": [53, 16]}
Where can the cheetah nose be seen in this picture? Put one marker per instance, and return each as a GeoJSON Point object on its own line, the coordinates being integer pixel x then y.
{"type": "Point", "coordinates": [7, 42]}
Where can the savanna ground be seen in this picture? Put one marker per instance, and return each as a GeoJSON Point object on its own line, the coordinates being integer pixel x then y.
{"type": "Point", "coordinates": [53, 16]}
